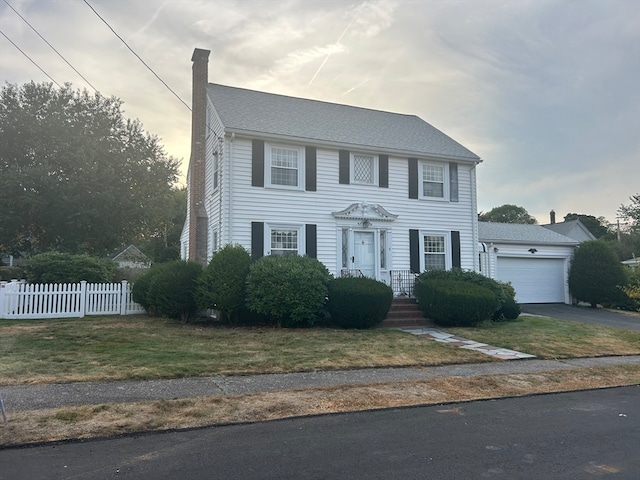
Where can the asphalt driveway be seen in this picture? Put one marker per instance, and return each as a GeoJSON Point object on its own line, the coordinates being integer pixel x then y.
{"type": "Point", "coordinates": [598, 316]}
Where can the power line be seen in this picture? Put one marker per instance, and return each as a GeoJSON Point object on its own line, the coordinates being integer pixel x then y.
{"type": "Point", "coordinates": [45, 41]}
{"type": "Point", "coordinates": [137, 56]}
{"type": "Point", "coordinates": [30, 59]}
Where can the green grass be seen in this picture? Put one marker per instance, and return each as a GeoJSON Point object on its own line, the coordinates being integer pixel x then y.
{"type": "Point", "coordinates": [140, 347]}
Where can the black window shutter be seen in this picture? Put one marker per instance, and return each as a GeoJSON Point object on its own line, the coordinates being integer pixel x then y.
{"type": "Point", "coordinates": [414, 251]}
{"type": "Point", "coordinates": [310, 169]}
{"type": "Point", "coordinates": [257, 163]}
{"type": "Point", "coordinates": [413, 178]}
{"type": "Point", "coordinates": [311, 240]}
{"type": "Point", "coordinates": [455, 250]}
{"type": "Point", "coordinates": [383, 171]}
{"type": "Point", "coordinates": [257, 240]}
{"type": "Point", "coordinates": [343, 166]}
{"type": "Point", "coordinates": [453, 182]}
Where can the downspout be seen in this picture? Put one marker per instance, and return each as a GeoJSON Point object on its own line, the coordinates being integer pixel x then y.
{"type": "Point", "coordinates": [230, 189]}
{"type": "Point", "coordinates": [474, 222]}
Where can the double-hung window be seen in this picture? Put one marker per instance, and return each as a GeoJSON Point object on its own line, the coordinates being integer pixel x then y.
{"type": "Point", "coordinates": [284, 167]}
{"type": "Point", "coordinates": [284, 240]}
{"type": "Point", "coordinates": [435, 252]}
{"type": "Point", "coordinates": [364, 169]}
{"type": "Point", "coordinates": [434, 181]}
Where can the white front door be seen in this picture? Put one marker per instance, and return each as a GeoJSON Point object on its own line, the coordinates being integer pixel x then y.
{"type": "Point", "coordinates": [364, 253]}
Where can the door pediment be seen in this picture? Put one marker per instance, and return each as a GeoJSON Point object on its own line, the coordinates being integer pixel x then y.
{"type": "Point", "coordinates": [365, 211]}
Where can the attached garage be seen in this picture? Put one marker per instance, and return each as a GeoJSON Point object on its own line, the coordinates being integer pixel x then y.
{"type": "Point", "coordinates": [533, 259]}
{"type": "Point", "coordinates": [536, 280]}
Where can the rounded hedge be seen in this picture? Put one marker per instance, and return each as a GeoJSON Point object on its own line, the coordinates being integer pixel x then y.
{"type": "Point", "coordinates": [358, 302]}
{"type": "Point", "coordinates": [172, 290]}
{"type": "Point", "coordinates": [289, 290]}
{"type": "Point", "coordinates": [56, 267]}
{"type": "Point", "coordinates": [455, 303]}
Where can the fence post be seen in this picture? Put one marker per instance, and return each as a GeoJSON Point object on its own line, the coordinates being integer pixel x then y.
{"type": "Point", "coordinates": [124, 291]}
{"type": "Point", "coordinates": [83, 298]}
{"type": "Point", "coordinates": [2, 285]}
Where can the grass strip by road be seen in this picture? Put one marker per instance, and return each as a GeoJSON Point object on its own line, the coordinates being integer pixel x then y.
{"type": "Point", "coordinates": [108, 420]}
{"type": "Point", "coordinates": [141, 347]}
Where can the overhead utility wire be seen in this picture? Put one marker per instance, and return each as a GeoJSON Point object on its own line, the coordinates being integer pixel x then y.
{"type": "Point", "coordinates": [30, 59]}
{"type": "Point", "coordinates": [45, 41]}
{"type": "Point", "coordinates": [138, 56]}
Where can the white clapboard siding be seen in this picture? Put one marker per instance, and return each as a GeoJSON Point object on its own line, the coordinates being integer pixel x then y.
{"type": "Point", "coordinates": [19, 300]}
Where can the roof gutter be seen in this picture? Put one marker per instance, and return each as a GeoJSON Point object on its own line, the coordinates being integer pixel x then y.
{"type": "Point", "coordinates": [351, 146]}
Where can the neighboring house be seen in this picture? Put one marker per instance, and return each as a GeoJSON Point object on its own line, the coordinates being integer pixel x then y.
{"type": "Point", "coordinates": [574, 229]}
{"type": "Point", "coordinates": [131, 257]}
{"type": "Point", "coordinates": [533, 258]}
{"type": "Point", "coordinates": [366, 192]}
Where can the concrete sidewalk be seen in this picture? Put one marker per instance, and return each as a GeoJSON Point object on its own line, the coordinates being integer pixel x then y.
{"type": "Point", "coordinates": [31, 397]}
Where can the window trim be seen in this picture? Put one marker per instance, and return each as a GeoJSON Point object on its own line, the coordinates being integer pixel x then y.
{"type": "Point", "coordinates": [300, 229]}
{"type": "Point", "coordinates": [448, 262]}
{"type": "Point", "coordinates": [375, 168]}
{"type": "Point", "coordinates": [445, 181]}
{"type": "Point", "coordinates": [267, 166]}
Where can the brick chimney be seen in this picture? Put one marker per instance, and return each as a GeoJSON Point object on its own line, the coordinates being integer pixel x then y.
{"type": "Point", "coordinates": [198, 221]}
{"type": "Point", "coordinates": [552, 214]}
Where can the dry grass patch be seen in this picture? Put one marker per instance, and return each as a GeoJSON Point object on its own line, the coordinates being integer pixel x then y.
{"type": "Point", "coordinates": [116, 419]}
{"type": "Point", "coordinates": [549, 338]}
{"type": "Point", "coordinates": [140, 347]}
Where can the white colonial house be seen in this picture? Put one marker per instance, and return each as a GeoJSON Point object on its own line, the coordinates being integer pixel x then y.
{"type": "Point", "coordinates": [367, 192]}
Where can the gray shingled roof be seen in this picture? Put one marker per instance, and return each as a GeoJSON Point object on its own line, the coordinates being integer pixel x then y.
{"type": "Point", "coordinates": [254, 112]}
{"type": "Point", "coordinates": [520, 233]}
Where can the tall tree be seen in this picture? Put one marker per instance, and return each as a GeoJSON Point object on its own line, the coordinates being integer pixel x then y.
{"type": "Point", "coordinates": [507, 214]}
{"type": "Point", "coordinates": [597, 226]}
{"type": "Point", "coordinates": [631, 214]}
{"type": "Point", "coordinates": [75, 175]}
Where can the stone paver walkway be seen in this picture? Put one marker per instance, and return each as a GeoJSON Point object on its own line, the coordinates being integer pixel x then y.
{"type": "Point", "coordinates": [439, 336]}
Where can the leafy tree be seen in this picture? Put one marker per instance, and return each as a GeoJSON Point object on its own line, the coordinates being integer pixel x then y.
{"type": "Point", "coordinates": [596, 275]}
{"type": "Point", "coordinates": [507, 214]}
{"type": "Point", "coordinates": [631, 214]}
{"type": "Point", "coordinates": [75, 175]}
{"type": "Point", "coordinates": [597, 226]}
{"type": "Point", "coordinates": [161, 240]}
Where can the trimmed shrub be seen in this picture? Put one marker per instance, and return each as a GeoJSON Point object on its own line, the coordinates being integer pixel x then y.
{"type": "Point", "coordinates": [452, 303]}
{"type": "Point", "coordinates": [172, 290]}
{"type": "Point", "coordinates": [596, 275]}
{"type": "Point", "coordinates": [11, 273]}
{"type": "Point", "coordinates": [140, 287]}
{"type": "Point", "coordinates": [467, 276]}
{"type": "Point", "coordinates": [56, 267]}
{"type": "Point", "coordinates": [222, 284]}
{"type": "Point", "coordinates": [289, 290]}
{"type": "Point", "coordinates": [358, 302]}
{"type": "Point", "coordinates": [509, 310]}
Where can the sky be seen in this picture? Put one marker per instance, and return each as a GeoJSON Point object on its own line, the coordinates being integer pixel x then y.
{"type": "Point", "coordinates": [547, 93]}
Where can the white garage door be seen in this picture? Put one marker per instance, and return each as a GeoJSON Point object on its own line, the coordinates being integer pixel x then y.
{"type": "Point", "coordinates": [536, 280]}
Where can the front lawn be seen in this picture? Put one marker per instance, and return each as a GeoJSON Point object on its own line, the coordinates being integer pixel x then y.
{"type": "Point", "coordinates": [140, 347]}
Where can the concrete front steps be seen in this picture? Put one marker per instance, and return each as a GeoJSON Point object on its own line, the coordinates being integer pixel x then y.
{"type": "Point", "coordinates": [404, 312]}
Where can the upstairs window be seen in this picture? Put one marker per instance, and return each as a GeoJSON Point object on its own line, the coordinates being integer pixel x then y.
{"type": "Point", "coordinates": [363, 169]}
{"type": "Point", "coordinates": [433, 180]}
{"type": "Point", "coordinates": [284, 166]}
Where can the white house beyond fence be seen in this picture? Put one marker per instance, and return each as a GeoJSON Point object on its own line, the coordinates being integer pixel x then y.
{"type": "Point", "coordinates": [20, 300]}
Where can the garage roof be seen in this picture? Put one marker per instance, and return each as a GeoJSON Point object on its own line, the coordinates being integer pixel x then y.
{"type": "Point", "coordinates": [521, 234]}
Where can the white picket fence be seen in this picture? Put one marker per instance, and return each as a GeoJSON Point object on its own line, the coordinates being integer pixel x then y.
{"type": "Point", "coordinates": [20, 300]}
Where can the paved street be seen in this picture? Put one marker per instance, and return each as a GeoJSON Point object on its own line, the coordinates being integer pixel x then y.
{"type": "Point", "coordinates": [579, 435]}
